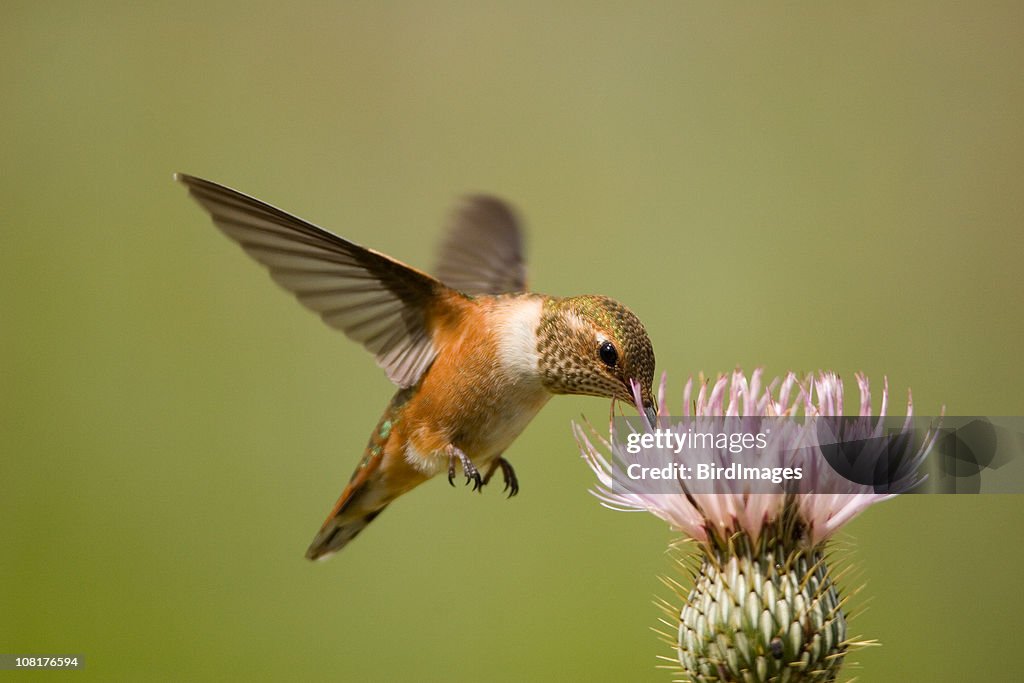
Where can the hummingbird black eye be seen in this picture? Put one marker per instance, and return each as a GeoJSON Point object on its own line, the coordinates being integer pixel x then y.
{"type": "Point", "coordinates": [609, 356]}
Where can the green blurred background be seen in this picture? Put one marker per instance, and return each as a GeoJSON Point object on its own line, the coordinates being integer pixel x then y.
{"type": "Point", "coordinates": [795, 186]}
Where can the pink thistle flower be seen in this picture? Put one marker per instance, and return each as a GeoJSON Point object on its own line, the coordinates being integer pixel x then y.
{"type": "Point", "coordinates": [764, 603]}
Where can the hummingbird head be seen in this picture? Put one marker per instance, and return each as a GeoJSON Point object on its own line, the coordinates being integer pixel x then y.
{"type": "Point", "coordinates": [595, 346]}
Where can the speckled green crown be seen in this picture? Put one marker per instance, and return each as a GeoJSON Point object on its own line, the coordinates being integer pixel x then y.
{"type": "Point", "coordinates": [569, 360]}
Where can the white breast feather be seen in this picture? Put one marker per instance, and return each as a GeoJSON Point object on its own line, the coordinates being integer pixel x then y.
{"type": "Point", "coordinates": [517, 338]}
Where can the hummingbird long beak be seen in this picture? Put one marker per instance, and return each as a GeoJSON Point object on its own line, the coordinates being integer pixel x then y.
{"type": "Point", "coordinates": [651, 412]}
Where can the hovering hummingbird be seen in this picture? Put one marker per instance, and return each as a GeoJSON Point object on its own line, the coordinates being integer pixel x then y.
{"type": "Point", "coordinates": [475, 356]}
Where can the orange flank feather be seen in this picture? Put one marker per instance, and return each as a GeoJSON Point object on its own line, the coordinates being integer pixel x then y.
{"type": "Point", "coordinates": [467, 398]}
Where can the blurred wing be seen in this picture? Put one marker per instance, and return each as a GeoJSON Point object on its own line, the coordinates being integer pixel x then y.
{"type": "Point", "coordinates": [375, 300]}
{"type": "Point", "coordinates": [483, 251]}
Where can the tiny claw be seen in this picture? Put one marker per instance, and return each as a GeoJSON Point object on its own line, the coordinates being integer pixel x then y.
{"type": "Point", "coordinates": [468, 468]}
{"type": "Point", "coordinates": [507, 473]}
{"type": "Point", "coordinates": [474, 476]}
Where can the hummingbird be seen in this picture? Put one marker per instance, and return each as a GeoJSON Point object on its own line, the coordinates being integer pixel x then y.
{"type": "Point", "coordinates": [474, 354]}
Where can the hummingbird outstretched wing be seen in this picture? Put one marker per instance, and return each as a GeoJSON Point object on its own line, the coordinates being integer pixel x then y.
{"type": "Point", "coordinates": [375, 300]}
{"type": "Point", "coordinates": [483, 250]}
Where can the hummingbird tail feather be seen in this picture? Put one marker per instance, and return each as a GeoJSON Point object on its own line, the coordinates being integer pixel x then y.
{"type": "Point", "coordinates": [381, 476]}
{"type": "Point", "coordinates": [337, 532]}
{"type": "Point", "coordinates": [359, 504]}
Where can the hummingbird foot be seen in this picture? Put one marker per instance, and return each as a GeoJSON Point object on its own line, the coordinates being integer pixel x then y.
{"type": "Point", "coordinates": [507, 473]}
{"type": "Point", "coordinates": [468, 468]}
